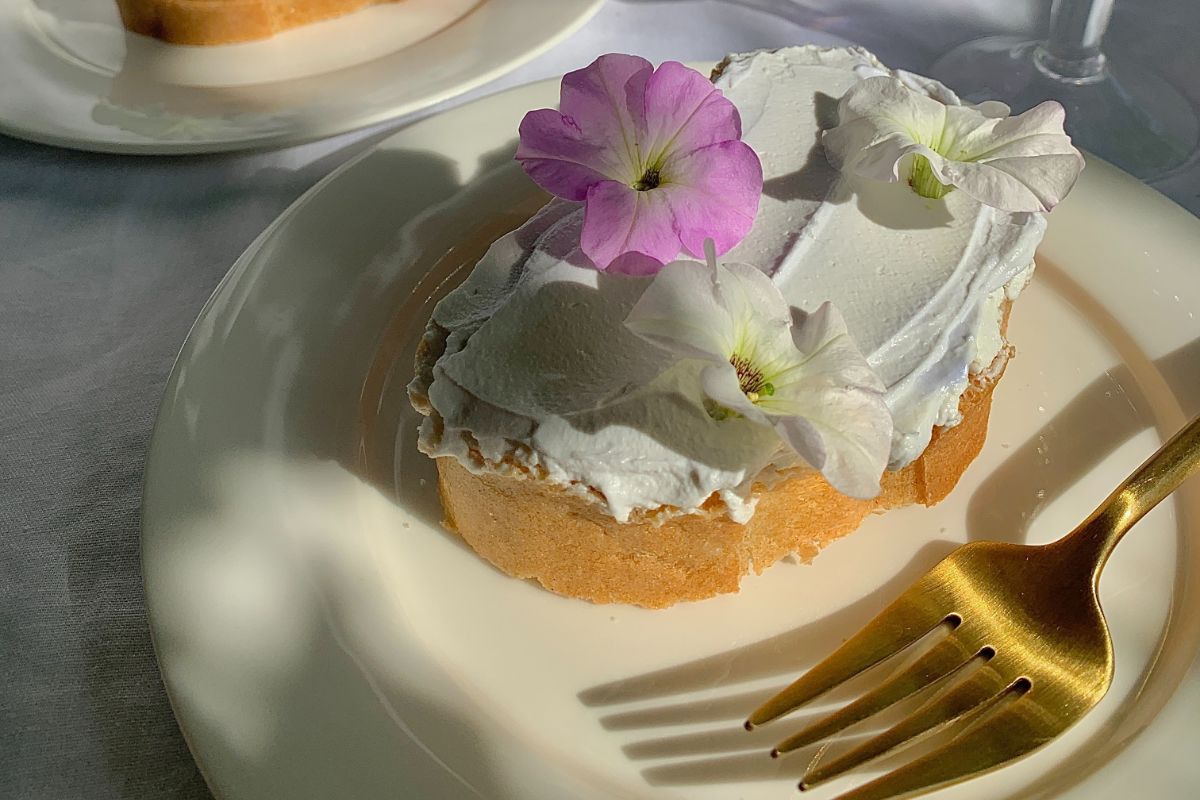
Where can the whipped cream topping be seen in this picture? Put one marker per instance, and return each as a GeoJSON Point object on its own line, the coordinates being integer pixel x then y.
{"type": "Point", "coordinates": [528, 369]}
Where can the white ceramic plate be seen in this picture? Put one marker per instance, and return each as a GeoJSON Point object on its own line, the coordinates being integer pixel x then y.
{"type": "Point", "coordinates": [321, 636]}
{"type": "Point", "coordinates": [74, 77]}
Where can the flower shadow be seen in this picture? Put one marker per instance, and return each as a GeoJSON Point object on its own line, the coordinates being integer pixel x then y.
{"type": "Point", "coordinates": [897, 207]}
{"type": "Point", "coordinates": [894, 206]}
{"type": "Point", "coordinates": [815, 179]}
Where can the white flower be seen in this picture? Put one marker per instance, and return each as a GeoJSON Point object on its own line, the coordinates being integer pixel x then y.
{"type": "Point", "coordinates": [808, 381]}
{"type": "Point", "coordinates": [1021, 163]}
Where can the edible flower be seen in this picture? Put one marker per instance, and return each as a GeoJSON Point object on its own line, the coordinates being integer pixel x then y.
{"type": "Point", "coordinates": [887, 131]}
{"type": "Point", "coordinates": [807, 380]}
{"type": "Point", "coordinates": [656, 157]}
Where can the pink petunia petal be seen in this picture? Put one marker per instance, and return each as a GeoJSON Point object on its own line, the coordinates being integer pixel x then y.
{"type": "Point", "coordinates": [618, 219]}
{"type": "Point", "coordinates": [680, 111]}
{"type": "Point", "coordinates": [560, 158]}
{"type": "Point", "coordinates": [634, 264]}
{"type": "Point", "coordinates": [622, 121]}
{"type": "Point", "coordinates": [595, 99]}
{"type": "Point", "coordinates": [713, 193]}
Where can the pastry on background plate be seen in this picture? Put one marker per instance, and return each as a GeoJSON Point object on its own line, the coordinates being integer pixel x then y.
{"type": "Point", "coordinates": [757, 310]}
{"type": "Point", "coordinates": [208, 22]}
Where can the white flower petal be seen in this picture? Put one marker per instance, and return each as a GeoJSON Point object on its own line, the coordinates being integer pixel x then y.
{"type": "Point", "coordinates": [682, 311]}
{"type": "Point", "coordinates": [1037, 132]}
{"type": "Point", "coordinates": [1021, 163]}
{"type": "Point", "coordinates": [831, 409]}
{"type": "Point", "coordinates": [761, 317]}
{"type": "Point", "coordinates": [992, 108]}
{"type": "Point", "coordinates": [749, 293]}
{"type": "Point", "coordinates": [823, 399]}
{"type": "Point", "coordinates": [720, 383]}
{"type": "Point", "coordinates": [885, 97]}
{"type": "Point", "coordinates": [825, 341]}
{"type": "Point", "coordinates": [880, 121]}
{"type": "Point", "coordinates": [701, 310]}
{"type": "Point", "coordinates": [1030, 183]}
{"type": "Point", "coordinates": [846, 434]}
{"type": "Point", "coordinates": [868, 147]}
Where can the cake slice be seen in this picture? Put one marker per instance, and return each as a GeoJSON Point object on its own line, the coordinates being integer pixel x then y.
{"type": "Point", "coordinates": [575, 453]}
{"type": "Point", "coordinates": [209, 22]}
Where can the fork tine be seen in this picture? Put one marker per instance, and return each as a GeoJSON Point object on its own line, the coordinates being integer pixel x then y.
{"type": "Point", "coordinates": [976, 693]}
{"type": "Point", "coordinates": [940, 662]}
{"type": "Point", "coordinates": [895, 628]}
{"type": "Point", "coordinates": [1005, 736]}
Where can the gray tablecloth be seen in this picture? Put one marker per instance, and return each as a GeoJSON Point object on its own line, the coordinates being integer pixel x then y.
{"type": "Point", "coordinates": [106, 260]}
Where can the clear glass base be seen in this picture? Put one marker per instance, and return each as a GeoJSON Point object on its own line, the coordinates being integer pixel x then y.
{"type": "Point", "coordinates": [1128, 116]}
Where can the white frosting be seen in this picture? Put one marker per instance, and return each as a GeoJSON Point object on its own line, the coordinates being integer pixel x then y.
{"type": "Point", "coordinates": [535, 372]}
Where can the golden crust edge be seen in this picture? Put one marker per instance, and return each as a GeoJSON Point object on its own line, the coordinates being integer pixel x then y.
{"type": "Point", "coordinates": [532, 529]}
{"type": "Point", "coordinates": [536, 530]}
{"type": "Point", "coordinates": [201, 22]}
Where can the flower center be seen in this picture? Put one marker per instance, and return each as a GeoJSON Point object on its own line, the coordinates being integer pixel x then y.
{"type": "Point", "coordinates": [649, 180]}
{"type": "Point", "coordinates": [751, 379]}
{"type": "Point", "coordinates": [924, 182]}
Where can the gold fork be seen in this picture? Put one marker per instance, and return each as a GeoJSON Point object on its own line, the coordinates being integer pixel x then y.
{"type": "Point", "coordinates": [1027, 654]}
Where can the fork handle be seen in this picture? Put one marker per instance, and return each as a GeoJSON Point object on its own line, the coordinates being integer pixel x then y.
{"type": "Point", "coordinates": [1093, 541]}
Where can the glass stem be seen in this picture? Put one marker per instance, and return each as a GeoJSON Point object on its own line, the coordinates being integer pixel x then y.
{"type": "Point", "coordinates": [1071, 53]}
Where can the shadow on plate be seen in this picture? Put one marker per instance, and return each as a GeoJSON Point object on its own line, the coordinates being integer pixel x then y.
{"type": "Point", "coordinates": [276, 601]}
{"type": "Point", "coordinates": [785, 654]}
{"type": "Point", "coordinates": [1113, 408]}
{"type": "Point", "coordinates": [726, 752]}
{"type": "Point", "coordinates": [313, 384]}
{"type": "Point", "coordinates": [1116, 406]}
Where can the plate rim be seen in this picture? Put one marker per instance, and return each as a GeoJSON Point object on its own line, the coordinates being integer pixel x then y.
{"type": "Point", "coordinates": [585, 11]}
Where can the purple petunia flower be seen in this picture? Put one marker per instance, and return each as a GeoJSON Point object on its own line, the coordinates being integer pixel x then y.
{"type": "Point", "coordinates": [655, 155]}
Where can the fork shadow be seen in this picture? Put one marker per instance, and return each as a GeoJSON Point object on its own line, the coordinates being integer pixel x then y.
{"type": "Point", "coordinates": [782, 654]}
{"type": "Point", "coordinates": [729, 753]}
{"type": "Point", "coordinates": [725, 752]}
{"type": "Point", "coordinates": [731, 761]}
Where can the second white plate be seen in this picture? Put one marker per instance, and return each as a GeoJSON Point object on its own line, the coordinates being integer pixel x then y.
{"type": "Point", "coordinates": [74, 77]}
